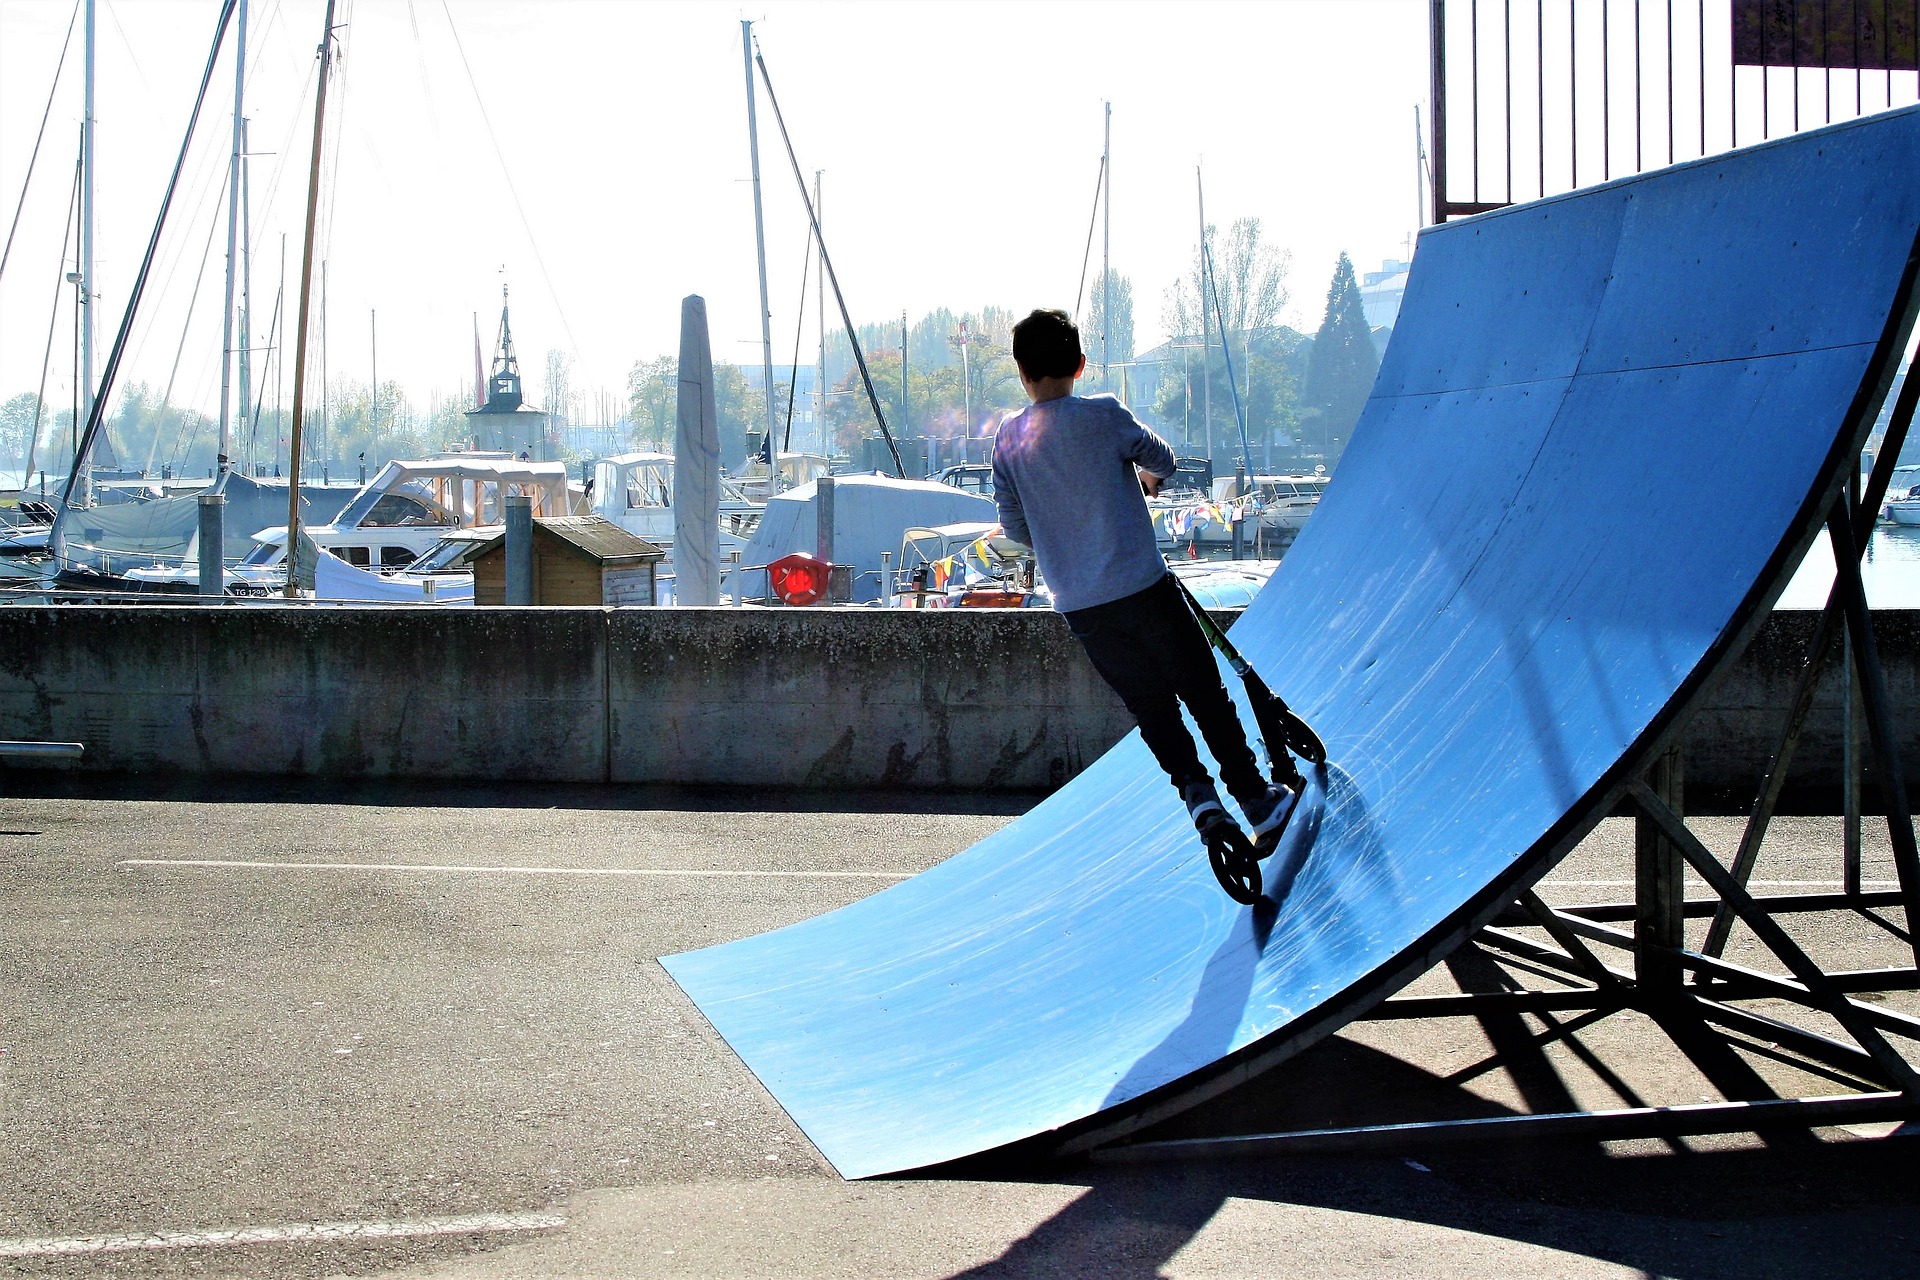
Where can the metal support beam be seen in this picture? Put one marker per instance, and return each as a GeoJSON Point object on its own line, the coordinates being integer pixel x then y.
{"type": "Point", "coordinates": [1824, 995]}
{"type": "Point", "coordinates": [1627, 1122]}
{"type": "Point", "coordinates": [1873, 682]}
{"type": "Point", "coordinates": [1659, 888]}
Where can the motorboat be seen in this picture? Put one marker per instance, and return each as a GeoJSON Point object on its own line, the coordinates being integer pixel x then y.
{"type": "Point", "coordinates": [635, 492]}
{"type": "Point", "coordinates": [1903, 497]}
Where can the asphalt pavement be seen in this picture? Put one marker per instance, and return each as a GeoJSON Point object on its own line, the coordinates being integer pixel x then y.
{"type": "Point", "coordinates": [276, 1029]}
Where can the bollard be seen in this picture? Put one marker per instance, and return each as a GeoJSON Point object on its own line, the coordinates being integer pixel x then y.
{"type": "Point", "coordinates": [1237, 522]}
{"type": "Point", "coordinates": [823, 517]}
{"type": "Point", "coordinates": [519, 549]}
{"type": "Point", "coordinates": [213, 569]}
{"type": "Point", "coordinates": [886, 579]}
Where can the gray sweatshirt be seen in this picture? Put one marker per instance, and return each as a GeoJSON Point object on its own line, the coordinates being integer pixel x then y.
{"type": "Point", "coordinates": [1064, 481]}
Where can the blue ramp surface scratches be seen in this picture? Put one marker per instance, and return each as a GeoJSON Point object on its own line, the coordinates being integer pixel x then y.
{"type": "Point", "coordinates": [1604, 424]}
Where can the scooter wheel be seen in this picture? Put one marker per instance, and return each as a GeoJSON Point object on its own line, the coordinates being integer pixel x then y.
{"type": "Point", "coordinates": [1235, 866]}
{"type": "Point", "coordinates": [1302, 740]}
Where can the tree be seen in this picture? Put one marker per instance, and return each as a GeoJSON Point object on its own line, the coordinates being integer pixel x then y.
{"type": "Point", "coordinates": [653, 389]}
{"type": "Point", "coordinates": [653, 406]}
{"type": "Point", "coordinates": [17, 419]}
{"type": "Point", "coordinates": [1249, 277]}
{"type": "Point", "coordinates": [1105, 341]}
{"type": "Point", "coordinates": [559, 385]}
{"type": "Point", "coordinates": [1342, 365]}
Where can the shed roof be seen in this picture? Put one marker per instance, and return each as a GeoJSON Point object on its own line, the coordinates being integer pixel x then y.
{"type": "Point", "coordinates": [593, 536]}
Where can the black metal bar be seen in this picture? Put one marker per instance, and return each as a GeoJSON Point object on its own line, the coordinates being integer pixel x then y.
{"type": "Point", "coordinates": [1506, 85]}
{"type": "Point", "coordinates": [1659, 886]}
{"type": "Point", "coordinates": [1669, 81]}
{"type": "Point", "coordinates": [1773, 904]}
{"type": "Point", "coordinates": [1808, 1044]}
{"type": "Point", "coordinates": [1472, 1004]}
{"type": "Point", "coordinates": [1541, 954]}
{"type": "Point", "coordinates": [1758, 819]}
{"type": "Point", "coordinates": [1741, 978]}
{"type": "Point", "coordinates": [1639, 94]}
{"type": "Point", "coordinates": [1573, 96]}
{"type": "Point", "coordinates": [1437, 91]}
{"type": "Point", "coordinates": [1886, 749]}
{"type": "Point", "coordinates": [1824, 994]}
{"type": "Point", "coordinates": [1569, 941]}
{"type": "Point", "coordinates": [1626, 1122]}
{"type": "Point", "coordinates": [1473, 66]}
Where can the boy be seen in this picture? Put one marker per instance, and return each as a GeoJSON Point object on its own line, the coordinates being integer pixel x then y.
{"type": "Point", "coordinates": [1068, 475]}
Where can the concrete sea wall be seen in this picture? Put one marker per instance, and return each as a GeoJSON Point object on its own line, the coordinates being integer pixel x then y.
{"type": "Point", "coordinates": [963, 700]}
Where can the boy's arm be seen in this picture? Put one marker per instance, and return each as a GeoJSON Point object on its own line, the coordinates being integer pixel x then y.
{"type": "Point", "coordinates": [1013, 518]}
{"type": "Point", "coordinates": [1146, 450]}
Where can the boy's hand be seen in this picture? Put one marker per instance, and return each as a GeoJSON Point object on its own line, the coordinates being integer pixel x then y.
{"type": "Point", "coordinates": [1149, 482]}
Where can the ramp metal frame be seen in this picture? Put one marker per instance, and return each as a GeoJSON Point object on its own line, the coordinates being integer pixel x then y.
{"type": "Point", "coordinates": [1665, 977]}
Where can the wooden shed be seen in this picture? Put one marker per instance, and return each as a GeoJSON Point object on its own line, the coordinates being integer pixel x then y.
{"type": "Point", "coordinates": [577, 560]}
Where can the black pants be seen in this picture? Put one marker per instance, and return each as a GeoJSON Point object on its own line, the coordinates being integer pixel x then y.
{"type": "Point", "coordinates": [1149, 648]}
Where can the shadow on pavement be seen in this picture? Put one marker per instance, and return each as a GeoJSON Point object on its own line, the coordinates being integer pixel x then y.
{"type": "Point", "coordinates": [250, 789]}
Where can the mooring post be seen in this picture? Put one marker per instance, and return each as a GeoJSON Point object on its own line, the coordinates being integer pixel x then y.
{"type": "Point", "coordinates": [213, 569]}
{"type": "Point", "coordinates": [823, 517]}
{"type": "Point", "coordinates": [1659, 891]}
{"type": "Point", "coordinates": [519, 549]}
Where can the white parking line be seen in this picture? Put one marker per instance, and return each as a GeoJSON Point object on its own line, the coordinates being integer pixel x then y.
{"type": "Point", "coordinates": [473, 1224]}
{"type": "Point", "coordinates": [516, 871]}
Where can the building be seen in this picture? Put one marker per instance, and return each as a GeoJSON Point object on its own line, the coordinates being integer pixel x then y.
{"type": "Point", "coordinates": [577, 560]}
{"type": "Point", "coordinates": [504, 422]}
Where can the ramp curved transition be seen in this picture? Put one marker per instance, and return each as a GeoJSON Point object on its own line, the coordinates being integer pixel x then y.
{"type": "Point", "coordinates": [1605, 423]}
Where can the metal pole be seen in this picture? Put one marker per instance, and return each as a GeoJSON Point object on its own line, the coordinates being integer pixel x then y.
{"type": "Point", "coordinates": [247, 418]}
{"type": "Point", "coordinates": [1206, 333]}
{"type": "Point", "coordinates": [519, 510]}
{"type": "Point", "coordinates": [1437, 93]}
{"type": "Point", "coordinates": [903, 371]}
{"type": "Point", "coordinates": [224, 452]}
{"type": "Point", "coordinates": [292, 589]}
{"type": "Point", "coordinates": [820, 377]}
{"type": "Point", "coordinates": [1660, 894]}
{"type": "Point", "coordinates": [373, 400]}
{"type": "Point", "coordinates": [89, 141]}
{"type": "Point", "coordinates": [759, 240]}
{"type": "Point", "coordinates": [1106, 258]}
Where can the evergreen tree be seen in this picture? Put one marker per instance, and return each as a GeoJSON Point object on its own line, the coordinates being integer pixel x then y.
{"type": "Point", "coordinates": [1340, 368]}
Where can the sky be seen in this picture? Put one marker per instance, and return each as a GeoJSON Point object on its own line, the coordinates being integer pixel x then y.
{"type": "Point", "coordinates": [593, 156]}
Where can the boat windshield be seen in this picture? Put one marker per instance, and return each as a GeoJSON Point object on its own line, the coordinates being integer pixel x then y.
{"type": "Point", "coordinates": [409, 504]}
{"type": "Point", "coordinates": [263, 553]}
{"type": "Point", "coordinates": [442, 556]}
{"type": "Point", "coordinates": [648, 484]}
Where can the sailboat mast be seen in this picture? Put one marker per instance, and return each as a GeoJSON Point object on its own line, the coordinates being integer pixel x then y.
{"type": "Point", "coordinates": [759, 240]}
{"type": "Point", "coordinates": [292, 589]}
{"type": "Point", "coordinates": [1106, 257]}
{"type": "Point", "coordinates": [247, 418]}
{"type": "Point", "coordinates": [1206, 333]}
{"type": "Point", "coordinates": [820, 375]}
{"type": "Point", "coordinates": [233, 241]}
{"type": "Point", "coordinates": [89, 128]}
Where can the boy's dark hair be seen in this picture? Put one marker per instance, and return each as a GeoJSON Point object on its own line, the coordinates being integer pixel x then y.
{"type": "Point", "coordinates": [1047, 345]}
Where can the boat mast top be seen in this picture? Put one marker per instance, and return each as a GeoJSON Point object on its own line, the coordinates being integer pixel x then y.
{"type": "Point", "coordinates": [89, 128]}
{"type": "Point", "coordinates": [233, 238]}
{"type": "Point", "coordinates": [760, 242]}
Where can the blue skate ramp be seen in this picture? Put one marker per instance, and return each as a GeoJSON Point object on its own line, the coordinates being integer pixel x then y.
{"type": "Point", "coordinates": [1606, 423]}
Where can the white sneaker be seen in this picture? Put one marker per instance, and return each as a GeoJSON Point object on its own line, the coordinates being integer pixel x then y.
{"type": "Point", "coordinates": [1203, 804]}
